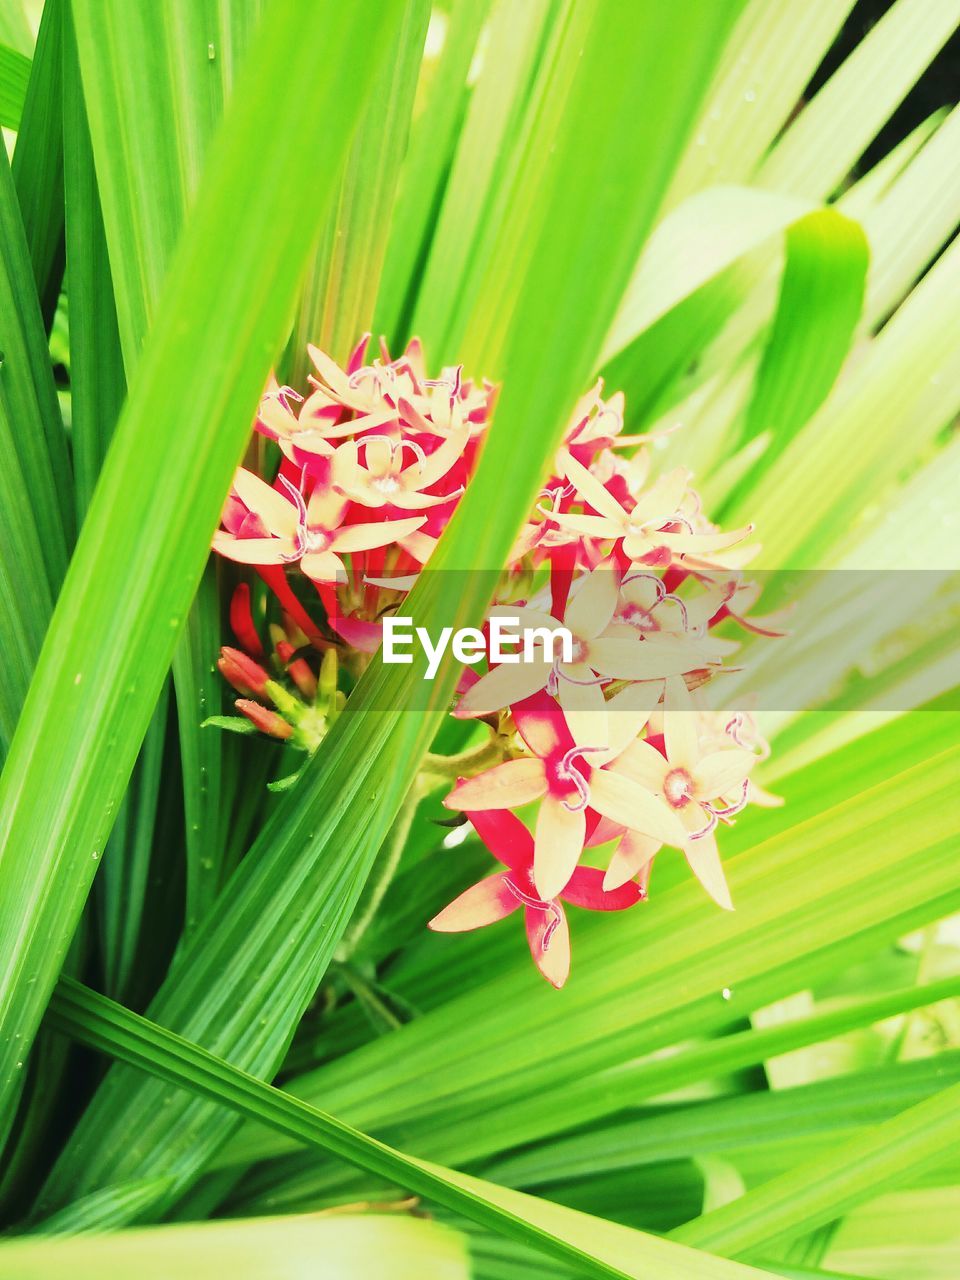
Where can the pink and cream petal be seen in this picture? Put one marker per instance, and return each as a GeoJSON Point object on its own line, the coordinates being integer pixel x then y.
{"type": "Point", "coordinates": [587, 888]}
{"type": "Point", "coordinates": [541, 725]}
{"type": "Point", "coordinates": [252, 550]}
{"type": "Point", "coordinates": [558, 844]}
{"type": "Point", "coordinates": [483, 903]}
{"type": "Point", "coordinates": [509, 683]}
{"type": "Point", "coordinates": [505, 786]}
{"type": "Point", "coordinates": [277, 512]}
{"type": "Point", "coordinates": [548, 936]}
{"type": "Point", "coordinates": [505, 836]}
{"type": "Point", "coordinates": [325, 508]}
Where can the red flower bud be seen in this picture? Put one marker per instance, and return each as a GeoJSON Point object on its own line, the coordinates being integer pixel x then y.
{"type": "Point", "coordinates": [241, 621]}
{"type": "Point", "coordinates": [265, 720]}
{"type": "Point", "coordinates": [298, 670]}
{"type": "Point", "coordinates": [244, 674]}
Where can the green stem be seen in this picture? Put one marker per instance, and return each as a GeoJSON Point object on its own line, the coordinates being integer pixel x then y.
{"type": "Point", "coordinates": [382, 873]}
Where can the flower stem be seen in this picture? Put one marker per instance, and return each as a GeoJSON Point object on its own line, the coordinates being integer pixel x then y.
{"type": "Point", "coordinates": [384, 869]}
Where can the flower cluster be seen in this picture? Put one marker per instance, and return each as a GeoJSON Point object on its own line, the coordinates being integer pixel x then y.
{"type": "Point", "coordinates": [605, 750]}
{"type": "Point", "coordinates": [372, 464]}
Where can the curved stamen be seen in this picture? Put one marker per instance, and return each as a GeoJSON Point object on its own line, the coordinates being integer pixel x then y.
{"type": "Point", "coordinates": [660, 589]}
{"type": "Point", "coordinates": [569, 772]}
{"type": "Point", "coordinates": [682, 607]}
{"type": "Point", "coordinates": [552, 909]}
{"type": "Point", "coordinates": [527, 899]}
{"type": "Point", "coordinates": [704, 831]}
{"type": "Point", "coordinates": [415, 449]}
{"type": "Point", "coordinates": [573, 680]}
{"type": "Point", "coordinates": [725, 813]}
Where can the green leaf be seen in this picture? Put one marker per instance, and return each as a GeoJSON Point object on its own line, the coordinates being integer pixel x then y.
{"type": "Point", "coordinates": [34, 479]}
{"type": "Point", "coordinates": [157, 502]}
{"type": "Point", "coordinates": [425, 169]}
{"type": "Point", "coordinates": [282, 914]}
{"type": "Point", "coordinates": [821, 294]}
{"type": "Point", "coordinates": [341, 1247]}
{"type": "Point", "coordinates": [596, 1247]}
{"type": "Point", "coordinates": [828, 137]}
{"type": "Point", "coordinates": [97, 381]}
{"type": "Point", "coordinates": [341, 290]}
{"type": "Point", "coordinates": [14, 74]}
{"type": "Point", "coordinates": [821, 1190]}
{"type": "Point", "coordinates": [38, 160]}
{"type": "Point", "coordinates": [469, 212]}
{"type": "Point", "coordinates": [851, 876]}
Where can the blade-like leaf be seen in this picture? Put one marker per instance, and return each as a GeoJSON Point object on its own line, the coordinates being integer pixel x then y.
{"type": "Point", "coordinates": [823, 1189]}
{"type": "Point", "coordinates": [338, 302]}
{"type": "Point", "coordinates": [133, 577]}
{"type": "Point", "coordinates": [596, 1247]}
{"type": "Point", "coordinates": [14, 74]}
{"type": "Point", "coordinates": [341, 1247]}
{"type": "Point", "coordinates": [38, 160]}
{"type": "Point", "coordinates": [34, 478]}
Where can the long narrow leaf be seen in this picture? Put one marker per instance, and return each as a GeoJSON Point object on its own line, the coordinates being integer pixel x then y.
{"type": "Point", "coordinates": [112, 638]}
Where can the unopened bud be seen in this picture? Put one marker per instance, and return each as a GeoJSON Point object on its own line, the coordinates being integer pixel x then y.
{"type": "Point", "coordinates": [298, 669]}
{"type": "Point", "coordinates": [244, 674]}
{"type": "Point", "coordinates": [242, 623]}
{"type": "Point", "coordinates": [265, 720]}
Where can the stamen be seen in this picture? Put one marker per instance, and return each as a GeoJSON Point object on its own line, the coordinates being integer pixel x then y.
{"type": "Point", "coordinates": [704, 831]}
{"type": "Point", "coordinates": [725, 813]}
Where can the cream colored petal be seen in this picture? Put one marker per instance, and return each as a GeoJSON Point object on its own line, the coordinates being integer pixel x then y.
{"type": "Point", "coordinates": [277, 512]}
{"type": "Point", "coordinates": [376, 533]}
{"type": "Point", "coordinates": [591, 608]}
{"type": "Point", "coordinates": [251, 550]}
{"type": "Point", "coordinates": [644, 764]}
{"type": "Point", "coordinates": [629, 858]}
{"type": "Point", "coordinates": [619, 798]}
{"type": "Point", "coordinates": [505, 786]}
{"type": "Point", "coordinates": [584, 708]}
{"type": "Point", "coordinates": [722, 771]}
{"type": "Point", "coordinates": [503, 686]}
{"type": "Point", "coordinates": [558, 843]}
{"type": "Point", "coordinates": [704, 860]}
{"type": "Point", "coordinates": [680, 725]}
{"type": "Point", "coordinates": [593, 492]}
{"type": "Point", "coordinates": [323, 566]}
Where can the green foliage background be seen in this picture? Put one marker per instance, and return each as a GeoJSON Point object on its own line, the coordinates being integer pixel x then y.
{"type": "Point", "coordinates": [543, 189]}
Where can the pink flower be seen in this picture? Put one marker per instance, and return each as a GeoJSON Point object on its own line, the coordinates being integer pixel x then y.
{"type": "Point", "coordinates": [558, 772]}
{"type": "Point", "coordinates": [288, 529]}
{"type": "Point", "coordinates": [654, 531]}
{"type": "Point", "coordinates": [701, 790]}
{"type": "Point", "coordinates": [599, 653]}
{"type": "Point", "coordinates": [501, 894]}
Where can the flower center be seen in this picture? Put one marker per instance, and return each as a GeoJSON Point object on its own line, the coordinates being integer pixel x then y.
{"type": "Point", "coordinates": [386, 484]}
{"type": "Point", "coordinates": [678, 787]}
{"type": "Point", "coordinates": [316, 540]}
